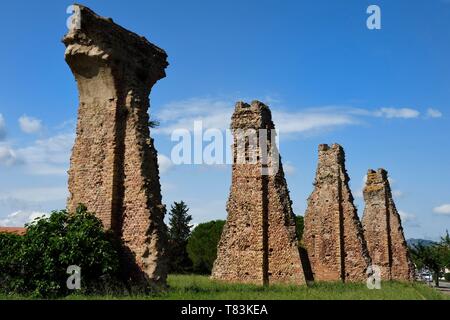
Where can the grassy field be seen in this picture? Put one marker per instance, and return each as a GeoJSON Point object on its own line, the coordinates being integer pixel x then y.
{"type": "Point", "coordinates": [194, 287]}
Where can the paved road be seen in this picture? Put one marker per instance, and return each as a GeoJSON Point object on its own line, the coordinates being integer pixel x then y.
{"type": "Point", "coordinates": [444, 287]}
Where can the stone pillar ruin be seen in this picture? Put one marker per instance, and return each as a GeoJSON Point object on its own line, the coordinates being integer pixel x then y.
{"type": "Point", "coordinates": [333, 234]}
{"type": "Point", "coordinates": [259, 243]}
{"type": "Point", "coordinates": [383, 229]}
{"type": "Point", "coordinates": [113, 168]}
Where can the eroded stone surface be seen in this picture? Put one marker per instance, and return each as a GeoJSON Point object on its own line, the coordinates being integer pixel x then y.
{"type": "Point", "coordinates": [114, 169]}
{"type": "Point", "coordinates": [383, 229]}
{"type": "Point", "coordinates": [333, 234]}
{"type": "Point", "coordinates": [258, 244]}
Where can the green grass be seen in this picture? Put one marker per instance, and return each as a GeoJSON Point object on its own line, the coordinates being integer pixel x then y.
{"type": "Point", "coordinates": [201, 287]}
{"type": "Point", "coordinates": [195, 287]}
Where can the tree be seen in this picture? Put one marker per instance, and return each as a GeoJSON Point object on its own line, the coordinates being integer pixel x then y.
{"type": "Point", "coordinates": [445, 247]}
{"type": "Point", "coordinates": [50, 246]}
{"type": "Point", "coordinates": [179, 232]}
{"type": "Point", "coordinates": [202, 245]}
{"type": "Point", "coordinates": [430, 257]}
{"type": "Point", "coordinates": [10, 268]}
{"type": "Point", "coordinates": [299, 226]}
{"type": "Point", "coordinates": [154, 124]}
{"type": "Point", "coordinates": [435, 257]}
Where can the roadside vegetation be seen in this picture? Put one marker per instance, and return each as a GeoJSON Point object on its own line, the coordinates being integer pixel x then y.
{"type": "Point", "coordinates": [34, 266]}
{"type": "Point", "coordinates": [434, 257]}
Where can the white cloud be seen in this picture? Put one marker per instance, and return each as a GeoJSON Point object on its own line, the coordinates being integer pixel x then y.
{"type": "Point", "coordinates": [404, 113]}
{"type": "Point", "coordinates": [165, 164]}
{"type": "Point", "coordinates": [216, 113]}
{"type": "Point", "coordinates": [48, 156]}
{"type": "Point", "coordinates": [310, 121]}
{"type": "Point", "coordinates": [20, 218]}
{"type": "Point", "coordinates": [37, 194]}
{"type": "Point", "coordinates": [289, 169]}
{"type": "Point", "coordinates": [31, 200]}
{"type": "Point", "coordinates": [2, 128]}
{"type": "Point", "coordinates": [397, 193]}
{"type": "Point", "coordinates": [406, 217]}
{"type": "Point", "coordinates": [8, 156]}
{"type": "Point", "coordinates": [193, 107]}
{"type": "Point", "coordinates": [44, 157]}
{"type": "Point", "coordinates": [29, 124]}
{"type": "Point", "coordinates": [443, 209]}
{"type": "Point", "coordinates": [434, 113]}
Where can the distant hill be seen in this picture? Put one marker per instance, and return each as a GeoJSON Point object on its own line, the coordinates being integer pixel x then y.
{"type": "Point", "coordinates": [415, 242]}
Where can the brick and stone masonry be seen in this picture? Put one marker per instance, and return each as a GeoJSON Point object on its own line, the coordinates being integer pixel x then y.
{"type": "Point", "coordinates": [333, 234]}
{"type": "Point", "coordinates": [383, 229]}
{"type": "Point", "coordinates": [114, 169]}
{"type": "Point", "coordinates": [258, 244]}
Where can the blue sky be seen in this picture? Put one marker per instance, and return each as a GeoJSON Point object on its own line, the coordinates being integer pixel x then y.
{"type": "Point", "coordinates": [382, 94]}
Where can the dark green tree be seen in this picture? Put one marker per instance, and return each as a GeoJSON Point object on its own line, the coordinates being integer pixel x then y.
{"type": "Point", "coordinates": [202, 245]}
{"type": "Point", "coordinates": [299, 226]}
{"type": "Point", "coordinates": [179, 231]}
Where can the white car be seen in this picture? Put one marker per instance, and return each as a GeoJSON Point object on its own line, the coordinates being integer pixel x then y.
{"type": "Point", "coordinates": [427, 277]}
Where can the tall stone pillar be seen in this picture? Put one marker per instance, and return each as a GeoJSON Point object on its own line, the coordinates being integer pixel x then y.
{"type": "Point", "coordinates": [383, 229]}
{"type": "Point", "coordinates": [258, 244]}
{"type": "Point", "coordinates": [333, 235]}
{"type": "Point", "coordinates": [113, 168]}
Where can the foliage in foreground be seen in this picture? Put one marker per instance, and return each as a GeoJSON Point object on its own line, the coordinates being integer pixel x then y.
{"type": "Point", "coordinates": [36, 263]}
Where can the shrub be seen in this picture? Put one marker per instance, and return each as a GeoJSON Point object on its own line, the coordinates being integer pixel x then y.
{"type": "Point", "coordinates": [447, 276]}
{"type": "Point", "coordinates": [202, 245]}
{"type": "Point", "coordinates": [38, 261]}
{"type": "Point", "coordinates": [10, 247]}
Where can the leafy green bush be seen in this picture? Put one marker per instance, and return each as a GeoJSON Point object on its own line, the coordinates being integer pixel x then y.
{"type": "Point", "coordinates": [202, 245]}
{"type": "Point", "coordinates": [37, 263]}
{"type": "Point", "coordinates": [447, 276]}
{"type": "Point", "coordinates": [10, 268]}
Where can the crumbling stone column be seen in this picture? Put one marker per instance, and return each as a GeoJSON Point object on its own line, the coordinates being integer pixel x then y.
{"type": "Point", "coordinates": [258, 244]}
{"type": "Point", "coordinates": [114, 169]}
{"type": "Point", "coordinates": [383, 229]}
{"type": "Point", "coordinates": [333, 235]}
